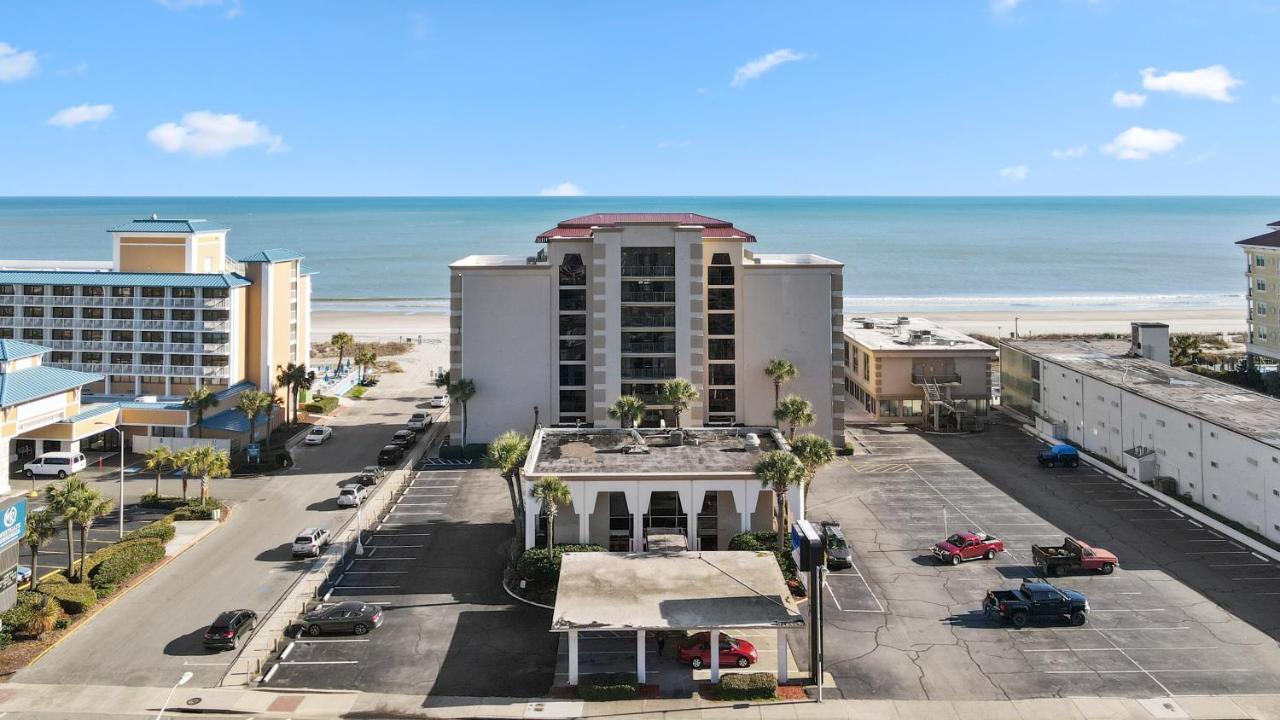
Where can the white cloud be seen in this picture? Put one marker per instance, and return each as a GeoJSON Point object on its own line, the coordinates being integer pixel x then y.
{"type": "Point", "coordinates": [206, 133]}
{"type": "Point", "coordinates": [1139, 143]}
{"type": "Point", "coordinates": [16, 65]}
{"type": "Point", "coordinates": [564, 189]}
{"type": "Point", "coordinates": [1211, 83]}
{"type": "Point", "coordinates": [1128, 100]}
{"type": "Point", "coordinates": [1015, 173]}
{"type": "Point", "coordinates": [80, 114]}
{"type": "Point", "coordinates": [1071, 153]}
{"type": "Point", "coordinates": [762, 65]}
{"type": "Point", "coordinates": [1004, 7]}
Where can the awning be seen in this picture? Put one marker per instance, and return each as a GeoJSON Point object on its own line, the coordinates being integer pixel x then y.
{"type": "Point", "coordinates": [228, 420]}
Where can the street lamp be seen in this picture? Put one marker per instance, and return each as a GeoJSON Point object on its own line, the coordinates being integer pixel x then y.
{"type": "Point", "coordinates": [359, 526]}
{"type": "Point", "coordinates": [186, 677]}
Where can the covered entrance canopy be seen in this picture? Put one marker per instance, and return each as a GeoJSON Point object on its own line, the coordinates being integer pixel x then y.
{"type": "Point", "coordinates": [639, 592]}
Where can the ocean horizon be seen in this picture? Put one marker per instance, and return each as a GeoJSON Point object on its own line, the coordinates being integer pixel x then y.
{"type": "Point", "coordinates": [901, 254]}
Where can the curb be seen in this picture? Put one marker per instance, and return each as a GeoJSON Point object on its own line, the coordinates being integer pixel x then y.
{"type": "Point", "coordinates": [526, 602]}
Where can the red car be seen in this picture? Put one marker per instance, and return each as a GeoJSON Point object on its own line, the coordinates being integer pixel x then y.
{"type": "Point", "coordinates": [967, 546]}
{"type": "Point", "coordinates": [732, 651]}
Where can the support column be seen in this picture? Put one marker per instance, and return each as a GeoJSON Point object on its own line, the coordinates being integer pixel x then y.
{"type": "Point", "coordinates": [584, 525]}
{"type": "Point", "coordinates": [782, 656]}
{"type": "Point", "coordinates": [713, 647]}
{"type": "Point", "coordinates": [4, 464]}
{"type": "Point", "coordinates": [531, 510]}
{"type": "Point", "coordinates": [691, 517]}
{"type": "Point", "coordinates": [137, 385]}
{"type": "Point", "coordinates": [640, 656]}
{"type": "Point", "coordinates": [73, 446]}
{"type": "Point", "coordinates": [573, 657]}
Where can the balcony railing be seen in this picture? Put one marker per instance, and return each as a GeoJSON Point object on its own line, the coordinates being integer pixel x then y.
{"type": "Point", "coordinates": [648, 270]}
{"type": "Point", "coordinates": [154, 370]}
{"type": "Point", "coordinates": [104, 301]}
{"type": "Point", "coordinates": [648, 297]}
{"type": "Point", "coordinates": [648, 347]}
{"type": "Point", "coordinates": [936, 378]}
{"type": "Point", "coordinates": [634, 373]}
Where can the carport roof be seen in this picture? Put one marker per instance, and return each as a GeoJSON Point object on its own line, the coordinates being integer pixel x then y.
{"type": "Point", "coordinates": [680, 591]}
{"type": "Point", "coordinates": [615, 452]}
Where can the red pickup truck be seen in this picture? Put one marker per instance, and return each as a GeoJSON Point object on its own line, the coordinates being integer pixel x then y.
{"type": "Point", "coordinates": [1072, 554]}
{"type": "Point", "coordinates": [967, 546]}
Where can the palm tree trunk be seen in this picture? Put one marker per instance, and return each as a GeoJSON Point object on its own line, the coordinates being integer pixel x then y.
{"type": "Point", "coordinates": [158, 471]}
{"type": "Point", "coordinates": [551, 533]}
{"type": "Point", "coordinates": [35, 564]}
{"type": "Point", "coordinates": [84, 540]}
{"type": "Point", "coordinates": [777, 388]}
{"type": "Point", "coordinates": [782, 530]}
{"type": "Point", "coordinates": [204, 489]}
{"type": "Point", "coordinates": [184, 485]}
{"type": "Point", "coordinates": [71, 547]}
{"type": "Point", "coordinates": [464, 424]}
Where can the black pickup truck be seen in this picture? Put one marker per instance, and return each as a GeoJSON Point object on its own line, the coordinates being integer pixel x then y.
{"type": "Point", "coordinates": [1037, 599]}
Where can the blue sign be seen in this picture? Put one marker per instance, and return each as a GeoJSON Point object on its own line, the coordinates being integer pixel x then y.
{"type": "Point", "coordinates": [13, 524]}
{"type": "Point", "coordinates": [254, 452]}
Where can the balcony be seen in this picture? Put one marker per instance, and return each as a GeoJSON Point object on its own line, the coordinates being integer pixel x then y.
{"type": "Point", "coordinates": [647, 373]}
{"type": "Point", "coordinates": [649, 348]}
{"type": "Point", "coordinates": [648, 297]}
{"type": "Point", "coordinates": [629, 270]}
{"type": "Point", "coordinates": [103, 301]}
{"type": "Point", "coordinates": [935, 378]}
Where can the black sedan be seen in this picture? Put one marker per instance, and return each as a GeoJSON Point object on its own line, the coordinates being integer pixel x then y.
{"type": "Point", "coordinates": [352, 616]}
{"type": "Point", "coordinates": [404, 438]}
{"type": "Point", "coordinates": [390, 455]}
{"type": "Point", "coordinates": [225, 631]}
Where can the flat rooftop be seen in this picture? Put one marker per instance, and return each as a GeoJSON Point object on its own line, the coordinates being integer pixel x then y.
{"type": "Point", "coordinates": [791, 259]}
{"type": "Point", "coordinates": [1249, 413]}
{"type": "Point", "coordinates": [496, 261]}
{"type": "Point", "coordinates": [677, 591]}
{"type": "Point", "coordinates": [912, 334]}
{"type": "Point", "coordinates": [612, 451]}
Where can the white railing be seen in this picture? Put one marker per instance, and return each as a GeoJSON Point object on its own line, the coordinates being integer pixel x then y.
{"type": "Point", "coordinates": [143, 443]}
{"type": "Point", "coordinates": [209, 303]}
{"type": "Point", "coordinates": [140, 369]}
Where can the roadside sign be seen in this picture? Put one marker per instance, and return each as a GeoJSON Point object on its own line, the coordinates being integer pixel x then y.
{"type": "Point", "coordinates": [8, 578]}
{"type": "Point", "coordinates": [13, 523]}
{"type": "Point", "coordinates": [254, 451]}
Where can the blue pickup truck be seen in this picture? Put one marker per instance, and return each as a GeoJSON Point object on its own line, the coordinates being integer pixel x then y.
{"type": "Point", "coordinates": [1060, 454]}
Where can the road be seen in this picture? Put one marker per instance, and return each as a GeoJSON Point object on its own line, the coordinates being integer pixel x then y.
{"type": "Point", "coordinates": [152, 634]}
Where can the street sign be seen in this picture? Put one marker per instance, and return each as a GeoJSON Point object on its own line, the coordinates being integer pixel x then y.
{"type": "Point", "coordinates": [13, 523]}
{"type": "Point", "coordinates": [254, 451]}
{"type": "Point", "coordinates": [8, 578]}
{"type": "Point", "coordinates": [806, 545]}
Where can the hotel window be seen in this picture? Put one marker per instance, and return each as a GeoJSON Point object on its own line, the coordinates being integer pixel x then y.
{"type": "Point", "coordinates": [573, 375]}
{"type": "Point", "coordinates": [6, 333]}
{"type": "Point", "coordinates": [152, 359]}
{"type": "Point", "coordinates": [6, 311]}
{"type": "Point", "coordinates": [6, 289]}
{"type": "Point", "coordinates": [183, 315]}
{"type": "Point", "coordinates": [215, 293]}
{"type": "Point", "coordinates": [91, 357]}
{"type": "Point", "coordinates": [720, 299]}
{"type": "Point", "coordinates": [33, 312]}
{"type": "Point", "coordinates": [122, 358]}
{"type": "Point", "coordinates": [639, 317]}
{"type": "Point", "coordinates": [182, 360]}
{"type": "Point", "coordinates": [571, 300]}
{"type": "Point", "coordinates": [1262, 332]}
{"type": "Point", "coordinates": [121, 313]}
{"type": "Point", "coordinates": [92, 291]}
{"type": "Point", "coordinates": [183, 292]}
{"type": "Point", "coordinates": [33, 289]}
{"type": "Point", "coordinates": [1259, 261]}
{"type": "Point", "coordinates": [121, 336]}
{"type": "Point", "coordinates": [61, 335]}
{"type": "Point", "coordinates": [720, 275]}
{"type": "Point", "coordinates": [152, 292]}
{"type": "Point", "coordinates": [649, 261]}
{"type": "Point", "coordinates": [215, 361]}
{"type": "Point", "coordinates": [151, 314]}
{"type": "Point", "coordinates": [573, 325]}
{"type": "Point", "coordinates": [866, 367]}
{"type": "Point", "coordinates": [1261, 284]}
{"type": "Point", "coordinates": [720, 401]}
{"type": "Point", "coordinates": [182, 337]}
{"type": "Point", "coordinates": [215, 338]}
{"type": "Point", "coordinates": [718, 349]}
{"type": "Point", "coordinates": [91, 335]}
{"type": "Point", "coordinates": [64, 313]}
{"type": "Point", "coordinates": [91, 313]}
{"type": "Point", "coordinates": [888, 408]}
{"type": "Point", "coordinates": [63, 290]}
{"type": "Point", "coordinates": [573, 349]}
{"type": "Point", "coordinates": [720, 324]}
{"type": "Point", "coordinates": [853, 359]}
{"type": "Point", "coordinates": [572, 271]}
{"type": "Point", "coordinates": [216, 315]}
{"type": "Point", "coordinates": [912, 408]}
{"type": "Point", "coordinates": [33, 334]}
{"type": "Point", "coordinates": [60, 356]}
{"type": "Point", "coordinates": [1262, 308]}
{"type": "Point", "coordinates": [152, 336]}
{"type": "Point", "coordinates": [573, 401]}
{"type": "Point", "coordinates": [723, 374]}
{"type": "Point", "coordinates": [122, 292]}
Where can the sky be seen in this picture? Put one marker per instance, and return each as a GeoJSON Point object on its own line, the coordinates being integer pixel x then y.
{"type": "Point", "coordinates": [401, 97]}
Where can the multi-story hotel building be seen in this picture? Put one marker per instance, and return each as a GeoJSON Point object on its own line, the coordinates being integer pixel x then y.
{"type": "Point", "coordinates": [617, 303]}
{"type": "Point", "coordinates": [1262, 253]}
{"type": "Point", "coordinates": [170, 312]}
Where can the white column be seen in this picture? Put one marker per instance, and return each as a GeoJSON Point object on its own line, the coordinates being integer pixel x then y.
{"type": "Point", "coordinates": [531, 509]}
{"type": "Point", "coordinates": [168, 386]}
{"type": "Point", "coordinates": [746, 521]}
{"type": "Point", "coordinates": [584, 526]}
{"type": "Point", "coordinates": [691, 511]}
{"type": "Point", "coordinates": [782, 655]}
{"type": "Point", "coordinates": [137, 385]}
{"type": "Point", "coordinates": [640, 656]}
{"type": "Point", "coordinates": [106, 384]}
{"type": "Point", "coordinates": [714, 648]}
{"type": "Point", "coordinates": [573, 657]}
{"type": "Point", "coordinates": [73, 446]}
{"type": "Point", "coordinates": [637, 519]}
{"type": "Point", "coordinates": [4, 464]}
{"type": "Point", "coordinates": [39, 448]}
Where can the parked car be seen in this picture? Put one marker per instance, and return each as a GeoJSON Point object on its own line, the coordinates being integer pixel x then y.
{"type": "Point", "coordinates": [310, 542]}
{"type": "Point", "coordinates": [838, 553]}
{"type": "Point", "coordinates": [733, 651]}
{"type": "Point", "coordinates": [967, 545]}
{"type": "Point", "coordinates": [370, 475]}
{"type": "Point", "coordinates": [60, 464]}
{"type": "Point", "coordinates": [419, 421]}
{"type": "Point", "coordinates": [439, 401]}
{"type": "Point", "coordinates": [1072, 554]}
{"type": "Point", "coordinates": [225, 631]}
{"type": "Point", "coordinates": [318, 434]}
{"type": "Point", "coordinates": [350, 616]}
{"type": "Point", "coordinates": [390, 455]}
{"type": "Point", "coordinates": [1060, 454]}
{"type": "Point", "coordinates": [404, 438]}
{"type": "Point", "coordinates": [1037, 599]}
{"type": "Point", "coordinates": [351, 495]}
{"type": "Point", "coordinates": [23, 574]}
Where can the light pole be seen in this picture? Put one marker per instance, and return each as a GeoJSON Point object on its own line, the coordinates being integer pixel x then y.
{"type": "Point", "coordinates": [359, 527]}
{"type": "Point", "coordinates": [186, 677]}
{"type": "Point", "coordinates": [1015, 326]}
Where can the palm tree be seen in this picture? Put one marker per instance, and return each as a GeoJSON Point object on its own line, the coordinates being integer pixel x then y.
{"type": "Point", "coordinates": [62, 498]}
{"type": "Point", "coordinates": [365, 359]}
{"type": "Point", "coordinates": [90, 507]}
{"type": "Point", "coordinates": [295, 378]}
{"type": "Point", "coordinates": [342, 341]}
{"type": "Point", "coordinates": [779, 371]}
{"type": "Point", "coordinates": [813, 452]}
{"type": "Point", "coordinates": [180, 460]}
{"type": "Point", "coordinates": [1184, 350]}
{"type": "Point", "coordinates": [155, 460]}
{"type": "Point", "coordinates": [796, 411]}
{"type": "Point", "coordinates": [200, 399]}
{"type": "Point", "coordinates": [43, 618]}
{"type": "Point", "coordinates": [284, 378]}
{"type": "Point", "coordinates": [462, 392]}
{"type": "Point", "coordinates": [206, 462]}
{"type": "Point", "coordinates": [552, 492]}
{"type": "Point", "coordinates": [507, 453]}
{"type": "Point", "coordinates": [679, 394]}
{"type": "Point", "coordinates": [41, 528]}
{"type": "Point", "coordinates": [628, 409]}
{"type": "Point", "coordinates": [779, 471]}
{"type": "Point", "coordinates": [441, 380]}
{"type": "Point", "coordinates": [253, 403]}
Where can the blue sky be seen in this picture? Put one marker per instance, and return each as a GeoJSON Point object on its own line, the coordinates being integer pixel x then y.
{"type": "Point", "coordinates": [952, 97]}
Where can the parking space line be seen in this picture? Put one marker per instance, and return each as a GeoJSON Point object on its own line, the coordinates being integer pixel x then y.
{"type": "Point", "coordinates": [380, 558]}
{"type": "Point", "coordinates": [1116, 649]}
{"type": "Point", "coordinates": [319, 662]}
{"type": "Point", "coordinates": [397, 547]}
{"type": "Point", "coordinates": [305, 641]}
{"type": "Point", "coordinates": [1130, 610]}
{"type": "Point", "coordinates": [377, 572]}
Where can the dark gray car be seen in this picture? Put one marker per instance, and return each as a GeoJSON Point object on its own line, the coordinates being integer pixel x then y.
{"type": "Point", "coordinates": [351, 616]}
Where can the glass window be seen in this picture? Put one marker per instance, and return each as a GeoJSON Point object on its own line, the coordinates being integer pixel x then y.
{"type": "Point", "coordinates": [720, 299]}
{"type": "Point", "coordinates": [91, 335]}
{"type": "Point", "coordinates": [723, 374]}
{"type": "Point", "coordinates": [6, 289]}
{"type": "Point", "coordinates": [217, 314]}
{"type": "Point", "coordinates": [720, 349]}
{"type": "Point", "coordinates": [573, 325]}
{"type": "Point", "coordinates": [215, 292]}
{"type": "Point", "coordinates": [6, 311]}
{"type": "Point", "coordinates": [573, 375]}
{"type": "Point", "coordinates": [215, 338]}
{"type": "Point", "coordinates": [638, 317]}
{"type": "Point", "coordinates": [720, 324]}
{"type": "Point", "coordinates": [91, 357]}
{"type": "Point", "coordinates": [184, 292]}
{"type": "Point", "coordinates": [33, 312]}
{"type": "Point", "coordinates": [6, 333]}
{"type": "Point", "coordinates": [570, 349]}
{"type": "Point", "coordinates": [152, 314]}
{"type": "Point", "coordinates": [33, 289]}
{"type": "Point", "coordinates": [183, 315]}
{"type": "Point", "coordinates": [122, 358]}
{"type": "Point", "coordinates": [152, 336]}
{"type": "Point", "coordinates": [721, 401]}
{"type": "Point", "coordinates": [717, 275]}
{"type": "Point", "coordinates": [64, 312]}
{"type": "Point", "coordinates": [648, 342]}
{"type": "Point", "coordinates": [572, 271]}
{"type": "Point", "coordinates": [152, 292]}
{"type": "Point", "coordinates": [91, 313]}
{"type": "Point", "coordinates": [61, 334]}
{"type": "Point", "coordinates": [59, 356]}
{"type": "Point", "coordinates": [182, 360]}
{"type": "Point", "coordinates": [182, 337]}
{"type": "Point", "coordinates": [121, 336]}
{"type": "Point", "coordinates": [121, 313]}
{"type": "Point", "coordinates": [63, 290]}
{"type": "Point", "coordinates": [644, 368]}
{"type": "Point", "coordinates": [573, 401]}
{"type": "Point", "coordinates": [721, 259]}
{"type": "Point", "coordinates": [122, 292]}
{"type": "Point", "coordinates": [33, 334]}
{"type": "Point", "coordinates": [93, 291]}
{"type": "Point", "coordinates": [575, 299]}
{"type": "Point", "coordinates": [152, 359]}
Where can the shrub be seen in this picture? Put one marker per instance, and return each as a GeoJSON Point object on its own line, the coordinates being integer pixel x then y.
{"type": "Point", "coordinates": [358, 392]}
{"type": "Point", "coordinates": [20, 614]}
{"type": "Point", "coordinates": [321, 405]}
{"type": "Point", "coordinates": [608, 686]}
{"type": "Point", "coordinates": [767, 541]}
{"type": "Point", "coordinates": [540, 569]}
{"type": "Point", "coordinates": [128, 560]}
{"type": "Point", "coordinates": [73, 598]}
{"type": "Point", "coordinates": [6, 639]}
{"type": "Point", "coordinates": [62, 624]}
{"type": "Point", "coordinates": [168, 502]}
{"type": "Point", "coordinates": [747, 686]}
{"type": "Point", "coordinates": [196, 511]}
{"type": "Point", "coordinates": [161, 530]}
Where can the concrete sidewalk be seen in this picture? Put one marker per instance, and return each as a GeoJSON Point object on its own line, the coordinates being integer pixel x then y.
{"type": "Point", "coordinates": [57, 700]}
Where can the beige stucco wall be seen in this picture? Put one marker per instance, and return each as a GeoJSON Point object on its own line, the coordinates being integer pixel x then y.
{"type": "Point", "coordinates": [1263, 302]}
{"type": "Point", "coordinates": [160, 257]}
{"type": "Point", "coordinates": [210, 253]}
{"type": "Point", "coordinates": [281, 314]}
{"type": "Point", "coordinates": [304, 320]}
{"type": "Point", "coordinates": [253, 314]}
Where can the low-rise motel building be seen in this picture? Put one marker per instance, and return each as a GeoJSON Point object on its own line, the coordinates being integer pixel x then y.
{"type": "Point", "coordinates": [617, 303]}
{"type": "Point", "coordinates": [169, 312]}
{"type": "Point", "coordinates": [912, 370]}
{"type": "Point", "coordinates": [1262, 273]}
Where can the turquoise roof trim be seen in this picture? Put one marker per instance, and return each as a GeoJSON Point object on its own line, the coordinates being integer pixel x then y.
{"type": "Point", "coordinates": [122, 279]}
{"type": "Point", "coordinates": [274, 255]}
{"type": "Point", "coordinates": [37, 382]}
{"type": "Point", "coordinates": [305, 270]}
{"type": "Point", "coordinates": [239, 387]}
{"type": "Point", "coordinates": [16, 350]}
{"type": "Point", "coordinates": [162, 225]}
{"type": "Point", "coordinates": [92, 411]}
{"type": "Point", "coordinates": [230, 420]}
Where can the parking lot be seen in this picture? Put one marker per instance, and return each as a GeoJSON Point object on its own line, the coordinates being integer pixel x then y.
{"type": "Point", "coordinates": [901, 625]}
{"type": "Point", "coordinates": [434, 564]}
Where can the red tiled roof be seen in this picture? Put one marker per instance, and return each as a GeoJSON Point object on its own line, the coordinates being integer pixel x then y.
{"type": "Point", "coordinates": [581, 227]}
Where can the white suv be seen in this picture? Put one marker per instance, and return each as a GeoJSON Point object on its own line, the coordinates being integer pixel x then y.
{"type": "Point", "coordinates": [310, 542]}
{"type": "Point", "coordinates": [352, 495]}
{"type": "Point", "coordinates": [61, 464]}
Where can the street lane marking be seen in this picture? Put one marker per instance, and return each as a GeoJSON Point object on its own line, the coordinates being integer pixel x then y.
{"type": "Point", "coordinates": [319, 662]}
{"type": "Point", "coordinates": [397, 547]}
{"type": "Point", "coordinates": [378, 572]}
{"type": "Point", "coordinates": [306, 641]}
{"type": "Point", "coordinates": [1117, 649]}
{"type": "Point", "coordinates": [380, 559]}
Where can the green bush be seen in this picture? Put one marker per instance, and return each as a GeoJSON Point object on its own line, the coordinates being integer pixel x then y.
{"type": "Point", "coordinates": [746, 686]}
{"type": "Point", "coordinates": [321, 405]}
{"type": "Point", "coordinates": [74, 598]}
{"type": "Point", "coordinates": [600, 687]}
{"type": "Point", "coordinates": [168, 502]}
{"type": "Point", "coordinates": [62, 624]}
{"type": "Point", "coordinates": [128, 560]}
{"type": "Point", "coordinates": [539, 568]}
{"type": "Point", "coordinates": [196, 511]}
{"type": "Point", "coordinates": [6, 639]}
{"type": "Point", "coordinates": [161, 530]}
{"type": "Point", "coordinates": [20, 614]}
{"type": "Point", "coordinates": [358, 392]}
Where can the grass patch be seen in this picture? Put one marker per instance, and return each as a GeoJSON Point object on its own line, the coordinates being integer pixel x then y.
{"type": "Point", "coordinates": [321, 405]}
{"type": "Point", "coordinates": [357, 392]}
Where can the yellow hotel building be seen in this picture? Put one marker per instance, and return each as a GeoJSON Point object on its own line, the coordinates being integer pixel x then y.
{"type": "Point", "coordinates": [170, 312]}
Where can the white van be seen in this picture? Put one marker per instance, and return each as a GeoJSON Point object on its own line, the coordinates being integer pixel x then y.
{"type": "Point", "coordinates": [61, 464]}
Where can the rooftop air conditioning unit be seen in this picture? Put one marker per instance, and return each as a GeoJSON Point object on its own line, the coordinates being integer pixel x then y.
{"type": "Point", "coordinates": [752, 442]}
{"type": "Point", "coordinates": [676, 437]}
{"type": "Point", "coordinates": [146, 398]}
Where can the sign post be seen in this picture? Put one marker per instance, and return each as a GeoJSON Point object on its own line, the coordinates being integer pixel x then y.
{"type": "Point", "coordinates": [810, 555]}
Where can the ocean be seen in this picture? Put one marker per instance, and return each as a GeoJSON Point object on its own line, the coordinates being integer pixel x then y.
{"type": "Point", "coordinates": [901, 254]}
